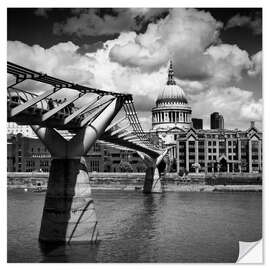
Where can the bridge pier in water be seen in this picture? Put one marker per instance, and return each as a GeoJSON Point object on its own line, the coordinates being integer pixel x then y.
{"type": "Point", "coordinates": [153, 174]}
{"type": "Point", "coordinates": [69, 214]}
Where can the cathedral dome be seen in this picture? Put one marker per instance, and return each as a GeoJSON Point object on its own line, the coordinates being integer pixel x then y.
{"type": "Point", "coordinates": [172, 109]}
{"type": "Point", "coordinates": [172, 93]}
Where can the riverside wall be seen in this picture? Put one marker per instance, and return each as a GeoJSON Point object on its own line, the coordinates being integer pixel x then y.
{"type": "Point", "coordinates": [134, 181]}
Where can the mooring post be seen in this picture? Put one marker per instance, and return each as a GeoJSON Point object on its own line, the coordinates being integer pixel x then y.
{"type": "Point", "coordinates": [69, 214]}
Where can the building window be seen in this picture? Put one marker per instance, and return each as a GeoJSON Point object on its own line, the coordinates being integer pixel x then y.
{"type": "Point", "coordinates": [94, 165]}
{"type": "Point", "coordinates": [96, 147]}
{"type": "Point", "coordinates": [214, 150]}
{"type": "Point", "coordinates": [214, 143]}
{"type": "Point", "coordinates": [209, 143]}
{"type": "Point", "coordinates": [209, 150]}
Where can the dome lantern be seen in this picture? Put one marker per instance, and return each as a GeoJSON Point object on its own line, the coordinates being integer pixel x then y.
{"type": "Point", "coordinates": [172, 93]}
{"type": "Point", "coordinates": [171, 80]}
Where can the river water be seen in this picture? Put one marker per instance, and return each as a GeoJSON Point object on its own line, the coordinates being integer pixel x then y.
{"type": "Point", "coordinates": [133, 227]}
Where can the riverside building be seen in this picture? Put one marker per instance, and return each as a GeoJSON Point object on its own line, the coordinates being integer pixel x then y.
{"type": "Point", "coordinates": [213, 151]}
{"type": "Point", "coordinates": [194, 149]}
{"type": "Point", "coordinates": [27, 154]}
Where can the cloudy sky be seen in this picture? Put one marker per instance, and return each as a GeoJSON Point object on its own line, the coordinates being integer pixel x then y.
{"type": "Point", "coordinates": [217, 54]}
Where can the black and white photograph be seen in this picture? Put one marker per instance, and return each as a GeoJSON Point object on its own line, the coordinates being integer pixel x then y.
{"type": "Point", "coordinates": [134, 134]}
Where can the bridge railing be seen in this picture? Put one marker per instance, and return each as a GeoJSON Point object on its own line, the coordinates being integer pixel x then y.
{"type": "Point", "coordinates": [18, 97]}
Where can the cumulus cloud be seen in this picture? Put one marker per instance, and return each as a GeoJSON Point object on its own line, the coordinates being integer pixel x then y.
{"type": "Point", "coordinates": [95, 22]}
{"type": "Point", "coordinates": [238, 21]}
{"type": "Point", "coordinates": [88, 48]}
{"type": "Point", "coordinates": [256, 64]}
{"type": "Point", "coordinates": [191, 38]}
{"type": "Point", "coordinates": [43, 12]}
{"type": "Point", "coordinates": [61, 60]}
{"type": "Point", "coordinates": [253, 110]}
{"type": "Point", "coordinates": [228, 63]}
{"type": "Point", "coordinates": [183, 34]}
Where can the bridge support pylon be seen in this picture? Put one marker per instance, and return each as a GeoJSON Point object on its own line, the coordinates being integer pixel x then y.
{"type": "Point", "coordinates": [69, 214]}
{"type": "Point", "coordinates": [153, 174]}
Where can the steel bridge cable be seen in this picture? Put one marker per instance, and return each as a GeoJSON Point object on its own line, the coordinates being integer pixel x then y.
{"type": "Point", "coordinates": [132, 108]}
{"type": "Point", "coordinates": [131, 113]}
{"type": "Point", "coordinates": [90, 110]}
{"type": "Point", "coordinates": [131, 117]}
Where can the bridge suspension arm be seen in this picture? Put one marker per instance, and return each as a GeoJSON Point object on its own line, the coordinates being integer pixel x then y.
{"type": "Point", "coordinates": [95, 112]}
{"type": "Point", "coordinates": [55, 143]}
{"type": "Point", "coordinates": [83, 140]}
{"type": "Point", "coordinates": [81, 110]}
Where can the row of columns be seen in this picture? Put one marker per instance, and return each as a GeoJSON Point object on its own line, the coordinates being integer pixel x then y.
{"type": "Point", "coordinates": [171, 117]}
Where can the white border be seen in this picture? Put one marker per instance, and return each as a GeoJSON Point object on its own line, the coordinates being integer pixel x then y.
{"type": "Point", "coordinates": [139, 3]}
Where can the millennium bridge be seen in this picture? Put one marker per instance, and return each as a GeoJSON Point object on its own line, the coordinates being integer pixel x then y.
{"type": "Point", "coordinates": [88, 113]}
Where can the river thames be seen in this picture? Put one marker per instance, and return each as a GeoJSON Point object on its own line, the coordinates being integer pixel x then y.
{"type": "Point", "coordinates": [133, 227]}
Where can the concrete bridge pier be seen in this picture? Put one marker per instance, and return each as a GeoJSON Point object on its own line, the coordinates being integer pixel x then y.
{"type": "Point", "coordinates": [69, 214]}
{"type": "Point", "coordinates": [153, 174]}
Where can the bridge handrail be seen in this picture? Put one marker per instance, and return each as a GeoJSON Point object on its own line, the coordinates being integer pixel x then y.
{"type": "Point", "coordinates": [43, 103]}
{"type": "Point", "coordinates": [22, 73]}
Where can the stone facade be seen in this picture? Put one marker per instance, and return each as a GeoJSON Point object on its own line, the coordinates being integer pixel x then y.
{"type": "Point", "coordinates": [219, 150]}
